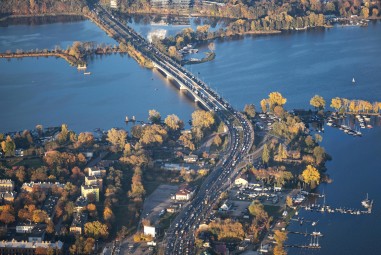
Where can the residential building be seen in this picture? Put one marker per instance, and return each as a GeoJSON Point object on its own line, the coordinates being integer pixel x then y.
{"type": "Point", "coordinates": [190, 158]}
{"type": "Point", "coordinates": [27, 248]}
{"type": "Point", "coordinates": [78, 224]}
{"type": "Point", "coordinates": [96, 171]}
{"type": "Point", "coordinates": [29, 187]}
{"type": "Point", "coordinates": [185, 193]}
{"type": "Point", "coordinates": [81, 204]}
{"type": "Point", "coordinates": [24, 228]}
{"type": "Point", "coordinates": [94, 181]}
{"type": "Point", "coordinates": [87, 190]}
{"type": "Point", "coordinates": [6, 185]}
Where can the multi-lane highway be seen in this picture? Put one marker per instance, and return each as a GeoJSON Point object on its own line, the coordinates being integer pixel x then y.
{"type": "Point", "coordinates": [179, 238]}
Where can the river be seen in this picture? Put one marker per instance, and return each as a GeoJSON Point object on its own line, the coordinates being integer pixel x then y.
{"type": "Point", "coordinates": [298, 64]}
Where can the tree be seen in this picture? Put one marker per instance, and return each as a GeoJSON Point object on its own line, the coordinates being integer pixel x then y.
{"type": "Point", "coordinates": [319, 154]}
{"type": "Point", "coordinates": [64, 134]}
{"type": "Point", "coordinates": [311, 175]}
{"type": "Point", "coordinates": [50, 227]}
{"type": "Point", "coordinates": [264, 105]}
{"type": "Point", "coordinates": [318, 102]}
{"type": "Point", "coordinates": [40, 130]}
{"type": "Point", "coordinates": [96, 229]}
{"type": "Point", "coordinates": [289, 201]}
{"type": "Point", "coordinates": [108, 215]}
{"type": "Point", "coordinates": [39, 216]}
{"type": "Point", "coordinates": [173, 122]}
{"type": "Point", "coordinates": [153, 134]}
{"type": "Point", "coordinates": [186, 139]}
{"type": "Point", "coordinates": [265, 154]}
{"type": "Point", "coordinates": [276, 98]}
{"type": "Point", "coordinates": [154, 116]}
{"type": "Point", "coordinates": [217, 140]}
{"type": "Point", "coordinates": [7, 217]}
{"type": "Point", "coordinates": [85, 139]}
{"type": "Point", "coordinates": [336, 103]}
{"type": "Point", "coordinates": [201, 122]}
{"type": "Point", "coordinates": [279, 237]}
{"type": "Point", "coordinates": [8, 146]}
{"type": "Point", "coordinates": [249, 110]}
{"type": "Point", "coordinates": [117, 138]}
{"type": "Point", "coordinates": [365, 12]}
{"type": "Point", "coordinates": [127, 149]}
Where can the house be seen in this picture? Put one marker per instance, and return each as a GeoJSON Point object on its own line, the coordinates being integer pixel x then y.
{"type": "Point", "coordinates": [6, 185]}
{"type": "Point", "coordinates": [28, 248]}
{"type": "Point", "coordinates": [185, 193]}
{"type": "Point", "coordinates": [226, 206]}
{"type": "Point", "coordinates": [78, 224]}
{"type": "Point", "coordinates": [96, 171]}
{"type": "Point", "coordinates": [80, 204]}
{"type": "Point", "coordinates": [87, 190]}
{"type": "Point", "coordinates": [190, 158]}
{"type": "Point", "coordinates": [149, 230]}
{"type": "Point", "coordinates": [24, 228]}
{"type": "Point", "coordinates": [241, 180]}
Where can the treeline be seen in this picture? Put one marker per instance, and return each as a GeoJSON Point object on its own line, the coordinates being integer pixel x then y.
{"type": "Point", "coordinates": [27, 7]}
{"type": "Point", "coordinates": [344, 105]}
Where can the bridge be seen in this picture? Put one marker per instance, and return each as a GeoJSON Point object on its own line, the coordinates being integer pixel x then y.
{"type": "Point", "coordinates": [179, 238]}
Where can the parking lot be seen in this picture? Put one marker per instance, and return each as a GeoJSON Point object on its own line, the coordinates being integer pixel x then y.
{"type": "Point", "coordinates": [158, 201]}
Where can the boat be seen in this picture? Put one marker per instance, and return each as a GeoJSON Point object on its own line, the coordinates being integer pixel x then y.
{"type": "Point", "coordinates": [133, 118]}
{"type": "Point", "coordinates": [314, 223]}
{"type": "Point", "coordinates": [366, 202]}
{"type": "Point", "coordinates": [81, 67]}
{"type": "Point", "coordinates": [87, 73]}
{"type": "Point", "coordinates": [127, 119]}
{"type": "Point", "coordinates": [353, 80]}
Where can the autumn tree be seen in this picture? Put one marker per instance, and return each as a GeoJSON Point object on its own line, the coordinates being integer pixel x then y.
{"type": "Point", "coordinates": [6, 215]}
{"type": "Point", "coordinates": [154, 116]}
{"type": "Point", "coordinates": [117, 137]}
{"type": "Point", "coordinates": [249, 109]}
{"type": "Point", "coordinates": [264, 105]}
{"type": "Point", "coordinates": [265, 154]}
{"type": "Point", "coordinates": [201, 122]}
{"type": "Point", "coordinates": [311, 176]}
{"type": "Point", "coordinates": [336, 103]}
{"type": "Point", "coordinates": [39, 216]}
{"type": "Point", "coordinates": [63, 136]}
{"type": "Point", "coordinates": [85, 139]}
{"type": "Point", "coordinates": [280, 237]}
{"type": "Point", "coordinates": [186, 140]}
{"type": "Point", "coordinates": [8, 146]}
{"type": "Point", "coordinates": [318, 102]}
{"type": "Point", "coordinates": [276, 98]}
{"type": "Point", "coordinates": [108, 215]}
{"type": "Point", "coordinates": [153, 134]}
{"type": "Point", "coordinates": [217, 141]}
{"type": "Point", "coordinates": [96, 229]}
{"type": "Point", "coordinates": [173, 122]}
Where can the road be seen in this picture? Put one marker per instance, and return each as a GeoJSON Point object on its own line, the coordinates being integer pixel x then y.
{"type": "Point", "coordinates": [179, 238]}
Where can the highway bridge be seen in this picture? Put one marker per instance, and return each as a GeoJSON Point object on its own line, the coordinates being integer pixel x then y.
{"type": "Point", "coordinates": [179, 238]}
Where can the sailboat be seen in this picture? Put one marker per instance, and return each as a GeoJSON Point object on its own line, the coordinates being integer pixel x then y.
{"type": "Point", "coordinates": [353, 80]}
{"type": "Point", "coordinates": [366, 202]}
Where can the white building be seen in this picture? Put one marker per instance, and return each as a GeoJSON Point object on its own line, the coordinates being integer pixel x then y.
{"type": "Point", "coordinates": [27, 228]}
{"type": "Point", "coordinates": [185, 193]}
{"type": "Point", "coordinates": [241, 181]}
{"type": "Point", "coordinates": [114, 4]}
{"type": "Point", "coordinates": [149, 230]}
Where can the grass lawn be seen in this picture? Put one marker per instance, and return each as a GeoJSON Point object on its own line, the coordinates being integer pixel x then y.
{"type": "Point", "coordinates": [273, 210]}
{"type": "Point", "coordinates": [33, 162]}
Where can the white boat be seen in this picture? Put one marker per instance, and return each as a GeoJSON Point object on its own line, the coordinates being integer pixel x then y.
{"type": "Point", "coordinates": [87, 73]}
{"type": "Point", "coordinates": [366, 202]}
{"type": "Point", "coordinates": [353, 80]}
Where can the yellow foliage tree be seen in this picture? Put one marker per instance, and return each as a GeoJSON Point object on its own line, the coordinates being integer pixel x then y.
{"type": "Point", "coordinates": [311, 175]}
